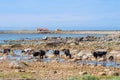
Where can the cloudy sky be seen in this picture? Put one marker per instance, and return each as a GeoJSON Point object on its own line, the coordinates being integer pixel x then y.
{"type": "Point", "coordinates": [63, 14]}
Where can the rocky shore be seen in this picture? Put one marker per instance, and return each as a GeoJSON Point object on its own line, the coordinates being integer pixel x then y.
{"type": "Point", "coordinates": [56, 70]}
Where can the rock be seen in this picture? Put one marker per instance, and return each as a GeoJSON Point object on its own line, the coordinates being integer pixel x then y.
{"type": "Point", "coordinates": [92, 59]}
{"type": "Point", "coordinates": [83, 73]}
{"type": "Point", "coordinates": [102, 74]}
{"type": "Point", "coordinates": [55, 72]}
{"type": "Point", "coordinates": [73, 60]}
{"type": "Point", "coordinates": [74, 51]}
{"type": "Point", "coordinates": [107, 70]}
{"type": "Point", "coordinates": [51, 56]}
{"type": "Point", "coordinates": [22, 70]}
{"type": "Point", "coordinates": [73, 44]}
{"type": "Point", "coordinates": [33, 71]}
{"type": "Point", "coordinates": [17, 65]}
{"type": "Point", "coordinates": [55, 61]}
{"type": "Point", "coordinates": [113, 73]}
{"type": "Point", "coordinates": [36, 60]}
{"type": "Point", "coordinates": [99, 65]}
{"type": "Point", "coordinates": [85, 57]}
{"type": "Point", "coordinates": [63, 56]}
{"type": "Point", "coordinates": [1, 54]}
{"type": "Point", "coordinates": [19, 70]}
{"type": "Point", "coordinates": [100, 59]}
{"type": "Point", "coordinates": [22, 54]}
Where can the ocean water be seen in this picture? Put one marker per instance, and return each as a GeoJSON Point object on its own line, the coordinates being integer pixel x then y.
{"type": "Point", "coordinates": [4, 37]}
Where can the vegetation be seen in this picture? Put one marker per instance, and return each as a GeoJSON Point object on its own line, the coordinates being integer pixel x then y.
{"type": "Point", "coordinates": [85, 77]}
{"type": "Point", "coordinates": [88, 77]}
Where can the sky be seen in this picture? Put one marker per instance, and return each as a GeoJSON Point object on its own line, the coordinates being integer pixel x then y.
{"type": "Point", "coordinates": [60, 14]}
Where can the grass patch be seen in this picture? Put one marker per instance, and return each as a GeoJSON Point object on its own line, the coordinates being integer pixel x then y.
{"type": "Point", "coordinates": [26, 76]}
{"type": "Point", "coordinates": [113, 78]}
{"type": "Point", "coordinates": [88, 77]}
{"type": "Point", "coordinates": [2, 75]}
{"type": "Point", "coordinates": [85, 77]}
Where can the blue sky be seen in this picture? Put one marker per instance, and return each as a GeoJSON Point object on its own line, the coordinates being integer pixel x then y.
{"type": "Point", "coordinates": [63, 14]}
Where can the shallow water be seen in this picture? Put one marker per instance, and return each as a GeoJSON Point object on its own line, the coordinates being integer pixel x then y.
{"type": "Point", "coordinates": [30, 58]}
{"type": "Point", "coordinates": [106, 64]}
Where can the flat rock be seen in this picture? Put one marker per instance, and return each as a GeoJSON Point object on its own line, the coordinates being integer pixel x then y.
{"type": "Point", "coordinates": [83, 73]}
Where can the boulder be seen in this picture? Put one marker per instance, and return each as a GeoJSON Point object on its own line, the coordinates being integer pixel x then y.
{"type": "Point", "coordinates": [17, 65]}
{"type": "Point", "coordinates": [74, 51]}
{"type": "Point", "coordinates": [1, 54]}
{"type": "Point", "coordinates": [73, 44]}
{"type": "Point", "coordinates": [102, 74]}
{"type": "Point", "coordinates": [55, 61]}
{"type": "Point", "coordinates": [83, 73]}
{"type": "Point", "coordinates": [19, 70]}
{"type": "Point", "coordinates": [50, 56]}
{"type": "Point", "coordinates": [113, 73]}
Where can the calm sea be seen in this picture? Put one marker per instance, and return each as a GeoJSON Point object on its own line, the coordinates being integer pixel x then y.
{"type": "Point", "coordinates": [4, 37]}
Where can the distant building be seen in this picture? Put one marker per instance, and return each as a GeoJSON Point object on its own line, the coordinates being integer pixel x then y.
{"type": "Point", "coordinates": [42, 30]}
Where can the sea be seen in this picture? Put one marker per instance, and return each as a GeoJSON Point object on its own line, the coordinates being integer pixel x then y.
{"type": "Point", "coordinates": [5, 37]}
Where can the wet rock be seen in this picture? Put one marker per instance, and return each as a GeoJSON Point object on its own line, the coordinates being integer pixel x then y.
{"type": "Point", "coordinates": [83, 73]}
{"type": "Point", "coordinates": [51, 56]}
{"type": "Point", "coordinates": [22, 54]}
{"type": "Point", "coordinates": [100, 59]}
{"type": "Point", "coordinates": [73, 60]}
{"type": "Point", "coordinates": [55, 61]}
{"type": "Point", "coordinates": [62, 56]}
{"type": "Point", "coordinates": [36, 60]}
{"type": "Point", "coordinates": [5, 57]}
{"type": "Point", "coordinates": [17, 65]}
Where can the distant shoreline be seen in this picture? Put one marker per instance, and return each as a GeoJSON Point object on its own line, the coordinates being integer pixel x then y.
{"type": "Point", "coordinates": [61, 32]}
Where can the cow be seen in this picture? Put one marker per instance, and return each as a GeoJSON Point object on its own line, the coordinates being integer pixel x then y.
{"type": "Point", "coordinates": [111, 58]}
{"type": "Point", "coordinates": [6, 51]}
{"type": "Point", "coordinates": [40, 53]}
{"type": "Point", "coordinates": [56, 52]}
{"type": "Point", "coordinates": [67, 53]}
{"type": "Point", "coordinates": [99, 53]}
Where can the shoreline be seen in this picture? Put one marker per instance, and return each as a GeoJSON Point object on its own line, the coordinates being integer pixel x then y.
{"type": "Point", "coordinates": [61, 32]}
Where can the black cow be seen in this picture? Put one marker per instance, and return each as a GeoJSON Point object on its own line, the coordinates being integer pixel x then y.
{"type": "Point", "coordinates": [67, 53]}
{"type": "Point", "coordinates": [56, 52]}
{"type": "Point", "coordinates": [6, 51]}
{"type": "Point", "coordinates": [97, 54]}
{"type": "Point", "coordinates": [40, 53]}
{"type": "Point", "coordinates": [111, 58]}
{"type": "Point", "coordinates": [23, 51]}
